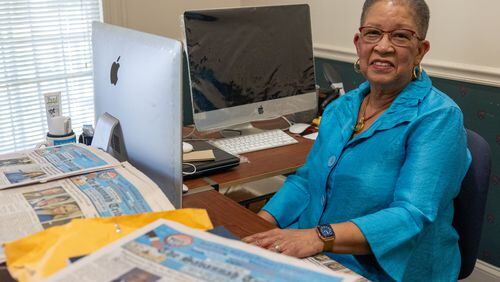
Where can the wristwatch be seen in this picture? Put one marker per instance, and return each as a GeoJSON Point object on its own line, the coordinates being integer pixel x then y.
{"type": "Point", "coordinates": [327, 235]}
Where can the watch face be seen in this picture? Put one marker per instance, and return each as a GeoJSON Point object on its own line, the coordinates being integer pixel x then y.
{"type": "Point", "coordinates": [326, 230]}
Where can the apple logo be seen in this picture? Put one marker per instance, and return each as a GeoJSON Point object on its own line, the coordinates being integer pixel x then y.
{"type": "Point", "coordinates": [113, 75]}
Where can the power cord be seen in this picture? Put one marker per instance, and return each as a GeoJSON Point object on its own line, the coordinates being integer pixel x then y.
{"type": "Point", "coordinates": [190, 133]}
{"type": "Point", "coordinates": [189, 172]}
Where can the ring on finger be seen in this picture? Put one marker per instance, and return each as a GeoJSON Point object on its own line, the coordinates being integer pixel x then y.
{"type": "Point", "coordinates": [277, 248]}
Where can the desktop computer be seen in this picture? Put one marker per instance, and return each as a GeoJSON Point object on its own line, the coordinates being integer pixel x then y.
{"type": "Point", "coordinates": [249, 64]}
{"type": "Point", "coordinates": [137, 79]}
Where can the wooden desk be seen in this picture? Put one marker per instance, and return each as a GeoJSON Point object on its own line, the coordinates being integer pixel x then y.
{"type": "Point", "coordinates": [224, 211]}
{"type": "Point", "coordinates": [261, 164]}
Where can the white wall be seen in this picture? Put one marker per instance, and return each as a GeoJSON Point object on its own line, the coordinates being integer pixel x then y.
{"type": "Point", "coordinates": [161, 17]}
{"type": "Point", "coordinates": [464, 34]}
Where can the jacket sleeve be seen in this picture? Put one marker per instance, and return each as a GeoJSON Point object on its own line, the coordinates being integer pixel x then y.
{"type": "Point", "coordinates": [291, 200]}
{"type": "Point", "coordinates": [436, 162]}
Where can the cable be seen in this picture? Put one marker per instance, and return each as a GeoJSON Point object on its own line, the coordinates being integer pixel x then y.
{"type": "Point", "coordinates": [189, 172]}
{"type": "Point", "coordinates": [190, 133]}
{"type": "Point", "coordinates": [288, 121]}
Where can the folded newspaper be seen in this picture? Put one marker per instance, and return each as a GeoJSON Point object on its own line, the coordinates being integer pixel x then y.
{"type": "Point", "coordinates": [168, 251]}
{"type": "Point", "coordinates": [54, 185]}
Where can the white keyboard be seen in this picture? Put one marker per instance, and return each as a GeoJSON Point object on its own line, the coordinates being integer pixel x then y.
{"type": "Point", "coordinates": [254, 142]}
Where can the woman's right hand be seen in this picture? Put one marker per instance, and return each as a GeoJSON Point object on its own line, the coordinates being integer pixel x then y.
{"type": "Point", "coordinates": [267, 217]}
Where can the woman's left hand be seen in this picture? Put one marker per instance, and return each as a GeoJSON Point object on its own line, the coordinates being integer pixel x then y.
{"type": "Point", "coordinates": [293, 242]}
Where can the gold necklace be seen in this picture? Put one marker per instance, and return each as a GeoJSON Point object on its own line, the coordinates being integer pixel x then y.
{"type": "Point", "coordinates": [360, 124]}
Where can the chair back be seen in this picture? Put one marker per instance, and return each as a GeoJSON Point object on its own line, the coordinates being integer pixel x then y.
{"type": "Point", "coordinates": [470, 202]}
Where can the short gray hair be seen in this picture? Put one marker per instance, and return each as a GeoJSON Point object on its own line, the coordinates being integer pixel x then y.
{"type": "Point", "coordinates": [419, 8]}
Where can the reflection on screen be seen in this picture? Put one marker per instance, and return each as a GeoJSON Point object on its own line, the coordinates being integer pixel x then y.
{"type": "Point", "coordinates": [248, 55]}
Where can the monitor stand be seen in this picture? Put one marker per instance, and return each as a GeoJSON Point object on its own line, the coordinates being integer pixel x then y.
{"type": "Point", "coordinates": [108, 137]}
{"type": "Point", "coordinates": [254, 127]}
{"type": "Point", "coordinates": [240, 130]}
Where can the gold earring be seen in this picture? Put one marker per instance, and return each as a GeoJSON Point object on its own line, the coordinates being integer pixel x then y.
{"type": "Point", "coordinates": [357, 67]}
{"type": "Point", "coordinates": [417, 71]}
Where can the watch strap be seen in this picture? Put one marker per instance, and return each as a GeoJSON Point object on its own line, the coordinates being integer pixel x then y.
{"type": "Point", "coordinates": [328, 245]}
{"type": "Point", "coordinates": [327, 235]}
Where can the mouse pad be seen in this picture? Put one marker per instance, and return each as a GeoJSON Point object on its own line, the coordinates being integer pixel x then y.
{"type": "Point", "coordinates": [223, 160]}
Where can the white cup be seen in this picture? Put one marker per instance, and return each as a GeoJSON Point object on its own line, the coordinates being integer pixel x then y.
{"type": "Point", "coordinates": [59, 126]}
{"type": "Point", "coordinates": [53, 140]}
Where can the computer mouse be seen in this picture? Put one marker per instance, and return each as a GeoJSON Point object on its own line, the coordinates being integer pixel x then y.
{"type": "Point", "coordinates": [298, 128]}
{"type": "Point", "coordinates": [186, 147]}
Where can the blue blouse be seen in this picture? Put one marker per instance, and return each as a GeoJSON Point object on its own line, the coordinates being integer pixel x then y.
{"type": "Point", "coordinates": [396, 181]}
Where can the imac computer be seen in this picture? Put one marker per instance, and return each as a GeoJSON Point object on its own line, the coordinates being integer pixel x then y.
{"type": "Point", "coordinates": [249, 64]}
{"type": "Point", "coordinates": [137, 80]}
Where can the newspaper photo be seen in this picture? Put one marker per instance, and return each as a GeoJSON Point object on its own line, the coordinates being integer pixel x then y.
{"type": "Point", "coordinates": [168, 251]}
{"type": "Point", "coordinates": [120, 190]}
{"type": "Point", "coordinates": [39, 165]}
{"type": "Point", "coordinates": [326, 262]}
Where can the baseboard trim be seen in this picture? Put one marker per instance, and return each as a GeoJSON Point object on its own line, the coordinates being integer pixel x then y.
{"type": "Point", "coordinates": [487, 271]}
{"type": "Point", "coordinates": [443, 69]}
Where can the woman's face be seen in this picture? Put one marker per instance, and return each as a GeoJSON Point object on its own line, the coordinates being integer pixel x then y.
{"type": "Point", "coordinates": [65, 209]}
{"type": "Point", "coordinates": [385, 65]}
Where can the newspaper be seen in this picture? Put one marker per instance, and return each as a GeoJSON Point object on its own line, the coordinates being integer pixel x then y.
{"type": "Point", "coordinates": [49, 163]}
{"type": "Point", "coordinates": [168, 251]}
{"type": "Point", "coordinates": [326, 262]}
{"type": "Point", "coordinates": [116, 189]}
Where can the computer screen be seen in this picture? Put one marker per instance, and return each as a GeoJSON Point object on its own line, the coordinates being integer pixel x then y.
{"type": "Point", "coordinates": [249, 64]}
{"type": "Point", "coordinates": [137, 79]}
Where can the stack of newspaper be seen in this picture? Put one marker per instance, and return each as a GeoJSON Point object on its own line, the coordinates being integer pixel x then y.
{"type": "Point", "coordinates": [168, 251]}
{"type": "Point", "coordinates": [46, 187]}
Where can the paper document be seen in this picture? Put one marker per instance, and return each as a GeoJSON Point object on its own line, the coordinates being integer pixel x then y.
{"type": "Point", "coordinates": [197, 156]}
{"type": "Point", "coordinates": [326, 262]}
{"type": "Point", "coordinates": [45, 164]}
{"type": "Point", "coordinates": [77, 181]}
{"type": "Point", "coordinates": [55, 248]}
{"type": "Point", "coordinates": [168, 251]}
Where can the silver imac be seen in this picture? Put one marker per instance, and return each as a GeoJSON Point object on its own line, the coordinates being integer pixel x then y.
{"type": "Point", "coordinates": [137, 79]}
{"type": "Point", "coordinates": [249, 64]}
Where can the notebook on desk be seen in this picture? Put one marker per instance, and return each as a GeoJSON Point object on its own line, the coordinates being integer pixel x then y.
{"type": "Point", "coordinates": [223, 160]}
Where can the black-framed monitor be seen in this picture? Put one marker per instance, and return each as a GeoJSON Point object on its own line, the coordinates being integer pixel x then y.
{"type": "Point", "coordinates": [249, 64]}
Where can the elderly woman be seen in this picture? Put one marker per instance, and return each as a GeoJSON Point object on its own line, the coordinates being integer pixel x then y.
{"type": "Point", "coordinates": [376, 192]}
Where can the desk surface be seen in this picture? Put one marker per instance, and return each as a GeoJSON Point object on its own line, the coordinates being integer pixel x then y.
{"type": "Point", "coordinates": [261, 164]}
{"type": "Point", "coordinates": [223, 211]}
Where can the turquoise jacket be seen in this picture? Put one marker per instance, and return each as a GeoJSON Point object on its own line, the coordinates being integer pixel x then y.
{"type": "Point", "coordinates": [396, 181]}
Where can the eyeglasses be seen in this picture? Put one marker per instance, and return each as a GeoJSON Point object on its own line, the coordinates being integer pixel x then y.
{"type": "Point", "coordinates": [400, 37]}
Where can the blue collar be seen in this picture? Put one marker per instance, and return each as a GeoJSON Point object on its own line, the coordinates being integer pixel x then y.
{"type": "Point", "coordinates": [403, 109]}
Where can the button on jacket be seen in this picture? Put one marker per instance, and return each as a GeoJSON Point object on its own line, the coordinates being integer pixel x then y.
{"type": "Point", "coordinates": [396, 181]}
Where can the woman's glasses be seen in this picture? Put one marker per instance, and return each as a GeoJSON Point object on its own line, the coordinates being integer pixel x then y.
{"type": "Point", "coordinates": [400, 37]}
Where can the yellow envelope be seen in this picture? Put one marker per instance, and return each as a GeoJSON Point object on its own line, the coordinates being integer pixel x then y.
{"type": "Point", "coordinates": [37, 256]}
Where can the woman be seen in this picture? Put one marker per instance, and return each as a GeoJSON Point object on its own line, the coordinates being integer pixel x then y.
{"type": "Point", "coordinates": [63, 211]}
{"type": "Point", "coordinates": [377, 189]}
{"type": "Point", "coordinates": [48, 201]}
